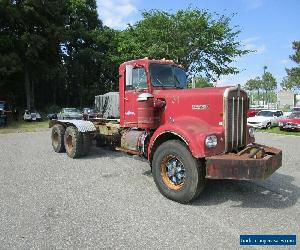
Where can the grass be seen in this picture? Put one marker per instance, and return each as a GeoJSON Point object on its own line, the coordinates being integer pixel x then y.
{"type": "Point", "coordinates": [276, 130]}
{"type": "Point", "coordinates": [22, 126]}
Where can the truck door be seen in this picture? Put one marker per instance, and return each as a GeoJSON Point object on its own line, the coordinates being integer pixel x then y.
{"type": "Point", "coordinates": [133, 88]}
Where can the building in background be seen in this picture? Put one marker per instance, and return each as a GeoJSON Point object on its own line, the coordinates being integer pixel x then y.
{"type": "Point", "coordinates": [297, 100]}
{"type": "Point", "coordinates": [286, 99]}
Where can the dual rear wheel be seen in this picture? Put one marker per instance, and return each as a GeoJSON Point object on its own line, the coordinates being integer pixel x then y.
{"type": "Point", "coordinates": [70, 140]}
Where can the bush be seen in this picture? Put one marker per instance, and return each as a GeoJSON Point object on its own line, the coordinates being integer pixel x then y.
{"type": "Point", "coordinates": [52, 109]}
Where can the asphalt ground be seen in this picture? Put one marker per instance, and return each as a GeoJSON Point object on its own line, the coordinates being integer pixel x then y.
{"type": "Point", "coordinates": [109, 200]}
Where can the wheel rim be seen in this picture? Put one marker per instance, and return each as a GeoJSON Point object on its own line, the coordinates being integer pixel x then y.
{"type": "Point", "coordinates": [69, 143]}
{"type": "Point", "coordinates": [172, 172]}
{"type": "Point", "coordinates": [55, 139]}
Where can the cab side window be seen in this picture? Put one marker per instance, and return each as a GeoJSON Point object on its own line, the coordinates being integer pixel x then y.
{"type": "Point", "coordinates": [139, 79]}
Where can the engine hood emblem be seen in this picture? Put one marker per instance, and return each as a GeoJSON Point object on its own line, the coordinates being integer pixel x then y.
{"type": "Point", "coordinates": [200, 106]}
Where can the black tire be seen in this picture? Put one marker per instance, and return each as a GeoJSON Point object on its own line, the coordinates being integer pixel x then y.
{"type": "Point", "coordinates": [57, 137]}
{"type": "Point", "coordinates": [268, 125]}
{"type": "Point", "coordinates": [73, 142]}
{"type": "Point", "coordinates": [194, 180]}
{"type": "Point", "coordinates": [86, 144]}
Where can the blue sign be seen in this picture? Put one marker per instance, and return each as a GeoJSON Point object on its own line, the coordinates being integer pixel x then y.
{"type": "Point", "coordinates": [253, 239]}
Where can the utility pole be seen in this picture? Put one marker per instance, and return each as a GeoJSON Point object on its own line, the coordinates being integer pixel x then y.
{"type": "Point", "coordinates": [264, 98]}
{"type": "Point", "coordinates": [265, 67]}
{"type": "Point", "coordinates": [193, 83]}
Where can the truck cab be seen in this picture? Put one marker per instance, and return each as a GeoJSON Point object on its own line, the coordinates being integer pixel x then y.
{"type": "Point", "coordinates": [154, 96]}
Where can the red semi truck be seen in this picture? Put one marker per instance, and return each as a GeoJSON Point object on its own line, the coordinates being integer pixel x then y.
{"type": "Point", "coordinates": [187, 135]}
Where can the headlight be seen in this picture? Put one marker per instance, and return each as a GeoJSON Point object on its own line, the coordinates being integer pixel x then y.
{"type": "Point", "coordinates": [251, 132]}
{"type": "Point", "coordinates": [280, 124]}
{"type": "Point", "coordinates": [211, 141]}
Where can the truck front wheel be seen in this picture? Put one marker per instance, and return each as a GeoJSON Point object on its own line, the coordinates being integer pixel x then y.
{"type": "Point", "coordinates": [73, 142]}
{"type": "Point", "coordinates": [177, 174]}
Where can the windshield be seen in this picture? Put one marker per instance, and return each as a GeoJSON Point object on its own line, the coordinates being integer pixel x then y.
{"type": "Point", "coordinates": [266, 113]}
{"type": "Point", "coordinates": [71, 110]}
{"type": "Point", "coordinates": [296, 109]}
{"type": "Point", "coordinates": [166, 75]}
{"type": "Point", "coordinates": [295, 115]}
{"type": "Point", "coordinates": [1, 105]}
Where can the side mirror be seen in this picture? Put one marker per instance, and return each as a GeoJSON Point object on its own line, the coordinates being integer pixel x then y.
{"type": "Point", "coordinates": [129, 69]}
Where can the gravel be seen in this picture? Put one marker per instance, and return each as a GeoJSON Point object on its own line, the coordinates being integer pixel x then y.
{"type": "Point", "coordinates": [109, 200]}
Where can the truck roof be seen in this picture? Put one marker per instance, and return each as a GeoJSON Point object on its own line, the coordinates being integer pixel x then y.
{"type": "Point", "coordinates": [146, 59]}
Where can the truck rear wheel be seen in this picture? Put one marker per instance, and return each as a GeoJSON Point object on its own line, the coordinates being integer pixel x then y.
{"type": "Point", "coordinates": [177, 174]}
{"type": "Point", "coordinates": [57, 137]}
{"type": "Point", "coordinates": [73, 142]}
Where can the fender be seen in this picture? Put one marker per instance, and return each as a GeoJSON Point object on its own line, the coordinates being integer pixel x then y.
{"type": "Point", "coordinates": [82, 126]}
{"type": "Point", "coordinates": [193, 132]}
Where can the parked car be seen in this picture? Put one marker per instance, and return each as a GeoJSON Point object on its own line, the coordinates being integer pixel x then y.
{"type": "Point", "coordinates": [32, 115]}
{"type": "Point", "coordinates": [291, 123]}
{"type": "Point", "coordinates": [265, 119]}
{"type": "Point", "coordinates": [89, 113]}
{"type": "Point", "coordinates": [294, 109]}
{"type": "Point", "coordinates": [69, 114]}
{"type": "Point", "coordinates": [4, 108]}
{"type": "Point", "coordinates": [52, 116]}
{"type": "Point", "coordinates": [252, 112]}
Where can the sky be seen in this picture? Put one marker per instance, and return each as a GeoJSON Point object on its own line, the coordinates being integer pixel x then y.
{"type": "Point", "coordinates": [267, 26]}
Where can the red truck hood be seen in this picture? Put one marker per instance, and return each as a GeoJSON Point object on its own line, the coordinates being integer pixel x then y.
{"type": "Point", "coordinates": [204, 103]}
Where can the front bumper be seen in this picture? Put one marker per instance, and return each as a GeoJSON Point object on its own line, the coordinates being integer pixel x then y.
{"type": "Point", "coordinates": [290, 127]}
{"type": "Point", "coordinates": [241, 167]}
{"type": "Point", "coordinates": [257, 125]}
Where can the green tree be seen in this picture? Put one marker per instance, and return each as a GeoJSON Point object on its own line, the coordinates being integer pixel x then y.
{"type": "Point", "coordinates": [254, 85]}
{"type": "Point", "coordinates": [55, 52]}
{"type": "Point", "coordinates": [28, 43]}
{"type": "Point", "coordinates": [288, 83]}
{"type": "Point", "coordinates": [292, 81]}
{"type": "Point", "coordinates": [201, 82]}
{"type": "Point", "coordinates": [200, 41]}
{"type": "Point", "coordinates": [268, 84]}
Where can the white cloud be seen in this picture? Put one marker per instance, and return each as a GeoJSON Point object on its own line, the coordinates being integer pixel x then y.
{"type": "Point", "coordinates": [253, 4]}
{"type": "Point", "coordinates": [253, 43]}
{"type": "Point", "coordinates": [116, 13]}
{"type": "Point", "coordinates": [233, 80]}
{"type": "Point", "coordinates": [284, 61]}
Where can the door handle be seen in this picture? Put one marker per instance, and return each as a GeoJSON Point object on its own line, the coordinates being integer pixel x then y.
{"type": "Point", "coordinates": [125, 98]}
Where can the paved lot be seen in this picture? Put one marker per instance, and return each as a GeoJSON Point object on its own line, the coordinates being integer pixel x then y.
{"type": "Point", "coordinates": [109, 200]}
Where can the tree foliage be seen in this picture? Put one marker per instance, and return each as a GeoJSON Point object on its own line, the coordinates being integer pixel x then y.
{"type": "Point", "coordinates": [263, 85]}
{"type": "Point", "coordinates": [253, 84]}
{"type": "Point", "coordinates": [58, 53]}
{"type": "Point", "coordinates": [292, 81]}
{"type": "Point", "coordinates": [200, 41]}
{"type": "Point", "coordinates": [201, 82]}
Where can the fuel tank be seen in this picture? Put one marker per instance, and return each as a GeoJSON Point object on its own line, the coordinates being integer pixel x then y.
{"type": "Point", "coordinates": [148, 117]}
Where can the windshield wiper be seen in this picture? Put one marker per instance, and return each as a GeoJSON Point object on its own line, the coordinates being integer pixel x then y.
{"type": "Point", "coordinates": [160, 82]}
{"type": "Point", "coordinates": [177, 86]}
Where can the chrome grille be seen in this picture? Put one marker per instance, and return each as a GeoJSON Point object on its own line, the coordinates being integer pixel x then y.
{"type": "Point", "coordinates": [235, 119]}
